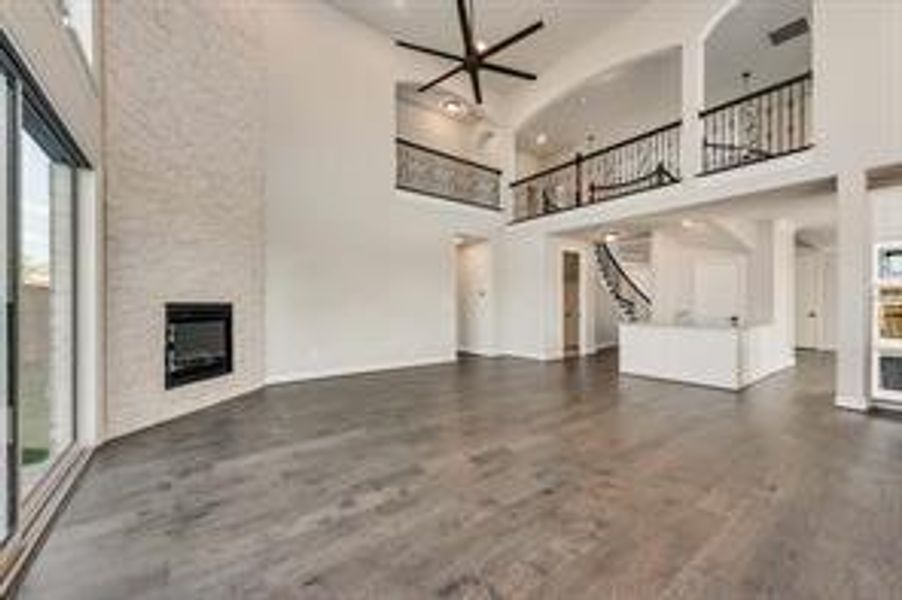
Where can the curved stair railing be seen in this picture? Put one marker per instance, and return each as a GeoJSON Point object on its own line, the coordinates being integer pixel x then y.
{"type": "Point", "coordinates": [633, 305]}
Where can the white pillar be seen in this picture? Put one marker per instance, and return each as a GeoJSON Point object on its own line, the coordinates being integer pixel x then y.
{"type": "Point", "coordinates": [693, 78]}
{"type": "Point", "coordinates": [90, 306]}
{"type": "Point", "coordinates": [62, 295]}
{"type": "Point", "coordinates": [853, 258]}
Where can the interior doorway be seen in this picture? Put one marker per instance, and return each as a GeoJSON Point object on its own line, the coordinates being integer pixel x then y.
{"type": "Point", "coordinates": [571, 303]}
{"type": "Point", "coordinates": [808, 302]}
{"type": "Point", "coordinates": [816, 291]}
{"type": "Point", "coordinates": [474, 296]}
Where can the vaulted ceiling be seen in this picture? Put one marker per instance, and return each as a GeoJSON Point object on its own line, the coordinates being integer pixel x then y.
{"type": "Point", "coordinates": [569, 24]}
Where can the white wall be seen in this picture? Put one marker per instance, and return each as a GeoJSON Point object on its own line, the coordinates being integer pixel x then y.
{"type": "Point", "coordinates": [707, 285]}
{"type": "Point", "coordinates": [473, 140]}
{"type": "Point", "coordinates": [358, 276]}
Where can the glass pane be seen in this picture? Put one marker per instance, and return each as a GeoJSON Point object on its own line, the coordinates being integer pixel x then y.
{"type": "Point", "coordinates": [45, 312]}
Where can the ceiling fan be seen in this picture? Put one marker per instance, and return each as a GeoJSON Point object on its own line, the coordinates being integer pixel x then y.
{"type": "Point", "coordinates": [475, 57]}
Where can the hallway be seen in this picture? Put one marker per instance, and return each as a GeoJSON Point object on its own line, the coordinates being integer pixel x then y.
{"type": "Point", "coordinates": [495, 478]}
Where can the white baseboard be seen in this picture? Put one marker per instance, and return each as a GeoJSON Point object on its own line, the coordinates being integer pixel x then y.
{"type": "Point", "coordinates": [300, 376]}
{"type": "Point", "coordinates": [853, 403]}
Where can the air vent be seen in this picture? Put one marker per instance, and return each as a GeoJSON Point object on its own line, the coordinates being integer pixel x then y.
{"type": "Point", "coordinates": [790, 31]}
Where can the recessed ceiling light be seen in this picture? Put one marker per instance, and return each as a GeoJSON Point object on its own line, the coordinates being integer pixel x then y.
{"type": "Point", "coordinates": [582, 100]}
{"type": "Point", "coordinates": [610, 238]}
{"type": "Point", "coordinates": [454, 107]}
{"type": "Point", "coordinates": [481, 46]}
{"type": "Point", "coordinates": [688, 223]}
{"type": "Point", "coordinates": [541, 139]}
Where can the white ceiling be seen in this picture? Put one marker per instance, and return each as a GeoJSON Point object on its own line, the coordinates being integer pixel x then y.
{"type": "Point", "coordinates": [568, 25]}
{"type": "Point", "coordinates": [740, 43]}
{"type": "Point", "coordinates": [434, 99]}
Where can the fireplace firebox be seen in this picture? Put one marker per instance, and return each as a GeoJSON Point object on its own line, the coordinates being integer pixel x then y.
{"type": "Point", "coordinates": [198, 342]}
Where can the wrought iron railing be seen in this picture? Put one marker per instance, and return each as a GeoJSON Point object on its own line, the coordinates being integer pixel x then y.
{"type": "Point", "coordinates": [767, 124]}
{"type": "Point", "coordinates": [641, 163]}
{"type": "Point", "coordinates": [435, 173]}
{"type": "Point", "coordinates": [632, 303]}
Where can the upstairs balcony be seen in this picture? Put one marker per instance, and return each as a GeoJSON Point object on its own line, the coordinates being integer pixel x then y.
{"type": "Point", "coordinates": [435, 173]}
{"type": "Point", "coordinates": [581, 149]}
{"type": "Point", "coordinates": [763, 125]}
{"type": "Point", "coordinates": [641, 163]}
{"type": "Point", "coordinates": [759, 126]}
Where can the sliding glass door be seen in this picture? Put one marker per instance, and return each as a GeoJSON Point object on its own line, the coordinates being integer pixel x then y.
{"type": "Point", "coordinates": [45, 311]}
{"type": "Point", "coordinates": [39, 165]}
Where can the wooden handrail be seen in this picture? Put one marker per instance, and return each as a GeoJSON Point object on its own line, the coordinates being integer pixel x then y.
{"type": "Point", "coordinates": [595, 153]}
{"type": "Point", "coordinates": [613, 260]}
{"type": "Point", "coordinates": [756, 94]}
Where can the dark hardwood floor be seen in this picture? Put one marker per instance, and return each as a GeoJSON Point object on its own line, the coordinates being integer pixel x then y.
{"type": "Point", "coordinates": [494, 479]}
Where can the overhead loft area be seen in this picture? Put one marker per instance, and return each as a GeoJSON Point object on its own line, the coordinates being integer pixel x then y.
{"type": "Point", "coordinates": [758, 85]}
{"type": "Point", "coordinates": [616, 134]}
{"type": "Point", "coordinates": [445, 148]}
{"type": "Point", "coordinates": [621, 132]}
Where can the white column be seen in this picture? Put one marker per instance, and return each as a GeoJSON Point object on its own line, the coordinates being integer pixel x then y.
{"type": "Point", "coordinates": [506, 152]}
{"type": "Point", "coordinates": [853, 258]}
{"type": "Point", "coordinates": [693, 100]}
{"type": "Point", "coordinates": [90, 319]}
{"type": "Point", "coordinates": [62, 290]}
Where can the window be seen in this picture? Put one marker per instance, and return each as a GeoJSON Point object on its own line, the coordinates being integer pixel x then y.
{"type": "Point", "coordinates": [46, 309]}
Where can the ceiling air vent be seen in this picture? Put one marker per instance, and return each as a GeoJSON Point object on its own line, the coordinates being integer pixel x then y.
{"type": "Point", "coordinates": [790, 31]}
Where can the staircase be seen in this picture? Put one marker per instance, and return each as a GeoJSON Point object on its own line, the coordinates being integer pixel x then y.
{"type": "Point", "coordinates": [633, 304]}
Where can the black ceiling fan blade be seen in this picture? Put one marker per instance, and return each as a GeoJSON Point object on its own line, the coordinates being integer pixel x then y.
{"type": "Point", "coordinates": [477, 86]}
{"type": "Point", "coordinates": [430, 51]}
{"type": "Point", "coordinates": [441, 78]}
{"type": "Point", "coordinates": [509, 71]}
{"type": "Point", "coordinates": [496, 48]}
{"type": "Point", "coordinates": [465, 30]}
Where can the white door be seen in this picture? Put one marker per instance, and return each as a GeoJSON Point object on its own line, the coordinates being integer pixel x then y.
{"type": "Point", "coordinates": [808, 301]}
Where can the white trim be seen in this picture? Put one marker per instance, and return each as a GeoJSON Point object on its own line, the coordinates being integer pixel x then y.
{"type": "Point", "coordinates": [301, 376]}
{"type": "Point", "coordinates": [853, 403]}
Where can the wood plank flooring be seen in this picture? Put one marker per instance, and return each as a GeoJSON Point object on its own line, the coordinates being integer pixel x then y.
{"type": "Point", "coordinates": [495, 479]}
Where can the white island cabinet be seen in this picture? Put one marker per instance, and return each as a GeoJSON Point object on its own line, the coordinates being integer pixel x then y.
{"type": "Point", "coordinates": [724, 357]}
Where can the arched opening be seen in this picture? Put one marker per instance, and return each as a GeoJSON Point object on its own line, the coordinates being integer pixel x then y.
{"type": "Point", "coordinates": [757, 84]}
{"type": "Point", "coordinates": [447, 147]}
{"type": "Point", "coordinates": [615, 134]}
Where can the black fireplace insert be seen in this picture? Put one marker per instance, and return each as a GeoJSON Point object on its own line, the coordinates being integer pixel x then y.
{"type": "Point", "coordinates": [198, 342]}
